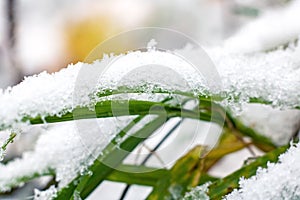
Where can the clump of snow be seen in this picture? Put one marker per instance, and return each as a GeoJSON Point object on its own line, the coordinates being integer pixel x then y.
{"type": "Point", "coordinates": [277, 181]}
{"type": "Point", "coordinates": [275, 27]}
{"type": "Point", "coordinates": [272, 76]}
{"type": "Point", "coordinates": [279, 125]}
{"type": "Point", "coordinates": [2, 154]}
{"type": "Point", "coordinates": [199, 192]}
{"type": "Point", "coordinates": [45, 195]}
{"type": "Point", "coordinates": [64, 149]}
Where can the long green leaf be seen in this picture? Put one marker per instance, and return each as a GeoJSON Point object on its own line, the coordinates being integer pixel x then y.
{"type": "Point", "coordinates": [140, 175]}
{"type": "Point", "coordinates": [135, 107]}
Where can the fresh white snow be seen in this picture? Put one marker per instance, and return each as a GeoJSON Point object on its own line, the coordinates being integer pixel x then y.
{"type": "Point", "coordinates": [63, 149]}
{"type": "Point", "coordinates": [277, 181]}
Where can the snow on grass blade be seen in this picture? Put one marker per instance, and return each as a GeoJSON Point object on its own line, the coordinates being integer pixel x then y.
{"type": "Point", "coordinates": [278, 125]}
{"type": "Point", "coordinates": [103, 110]}
{"type": "Point", "coordinates": [225, 185]}
{"type": "Point", "coordinates": [100, 170]}
{"type": "Point", "coordinates": [60, 151]}
{"type": "Point", "coordinates": [278, 181]}
{"type": "Point", "coordinates": [271, 77]}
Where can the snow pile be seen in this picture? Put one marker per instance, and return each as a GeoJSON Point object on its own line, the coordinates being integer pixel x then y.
{"type": "Point", "coordinates": [275, 27]}
{"type": "Point", "coordinates": [278, 181]}
{"type": "Point", "coordinates": [278, 125]}
{"type": "Point", "coordinates": [272, 76]}
{"type": "Point", "coordinates": [65, 149]}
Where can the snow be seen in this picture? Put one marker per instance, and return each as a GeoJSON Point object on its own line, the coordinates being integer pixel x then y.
{"type": "Point", "coordinates": [56, 94]}
{"type": "Point", "coordinates": [64, 149]}
{"type": "Point", "coordinates": [243, 76]}
{"type": "Point", "coordinates": [279, 125]}
{"type": "Point", "coordinates": [198, 192]}
{"type": "Point", "coordinates": [272, 76]}
{"type": "Point", "coordinates": [275, 27]}
{"type": "Point", "coordinates": [277, 181]}
{"type": "Point", "coordinates": [45, 195]}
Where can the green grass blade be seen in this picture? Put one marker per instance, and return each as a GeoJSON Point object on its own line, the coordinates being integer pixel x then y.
{"type": "Point", "coordinates": [140, 175]}
{"type": "Point", "coordinates": [224, 186]}
{"type": "Point", "coordinates": [115, 156]}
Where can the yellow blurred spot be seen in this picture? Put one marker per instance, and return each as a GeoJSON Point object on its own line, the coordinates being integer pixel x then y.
{"type": "Point", "coordinates": [83, 36]}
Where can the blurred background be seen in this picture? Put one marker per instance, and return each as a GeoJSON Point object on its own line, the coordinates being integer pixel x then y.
{"type": "Point", "coordinates": [49, 34]}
